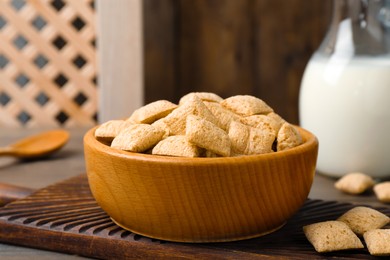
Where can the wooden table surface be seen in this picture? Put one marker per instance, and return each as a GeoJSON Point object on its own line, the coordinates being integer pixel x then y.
{"type": "Point", "coordinates": [69, 162]}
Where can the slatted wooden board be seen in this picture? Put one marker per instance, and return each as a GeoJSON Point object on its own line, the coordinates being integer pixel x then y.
{"type": "Point", "coordinates": [64, 217]}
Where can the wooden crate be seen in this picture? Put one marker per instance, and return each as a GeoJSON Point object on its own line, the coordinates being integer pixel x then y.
{"type": "Point", "coordinates": [47, 63]}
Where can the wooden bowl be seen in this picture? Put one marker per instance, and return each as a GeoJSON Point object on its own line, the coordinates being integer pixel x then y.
{"type": "Point", "coordinates": [200, 199]}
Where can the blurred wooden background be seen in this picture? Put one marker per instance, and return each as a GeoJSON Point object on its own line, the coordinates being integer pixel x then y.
{"type": "Point", "coordinates": [48, 67]}
{"type": "Point", "coordinates": [257, 47]}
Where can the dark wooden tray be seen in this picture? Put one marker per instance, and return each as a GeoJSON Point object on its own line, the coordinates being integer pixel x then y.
{"type": "Point", "coordinates": [64, 217]}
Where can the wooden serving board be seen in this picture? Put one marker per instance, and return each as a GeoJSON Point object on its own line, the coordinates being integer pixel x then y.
{"type": "Point", "coordinates": [64, 217]}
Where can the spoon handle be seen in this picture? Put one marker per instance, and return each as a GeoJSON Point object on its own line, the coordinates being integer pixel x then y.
{"type": "Point", "coordinates": [5, 151]}
{"type": "Point", "coordinates": [9, 193]}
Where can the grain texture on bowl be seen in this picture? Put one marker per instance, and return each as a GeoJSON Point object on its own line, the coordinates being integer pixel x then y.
{"type": "Point", "coordinates": [200, 199]}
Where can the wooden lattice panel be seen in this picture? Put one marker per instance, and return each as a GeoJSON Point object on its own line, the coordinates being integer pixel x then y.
{"type": "Point", "coordinates": [47, 63]}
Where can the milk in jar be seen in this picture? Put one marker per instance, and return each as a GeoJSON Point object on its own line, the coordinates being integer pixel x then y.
{"type": "Point", "coordinates": [345, 91]}
{"type": "Point", "coordinates": [346, 103]}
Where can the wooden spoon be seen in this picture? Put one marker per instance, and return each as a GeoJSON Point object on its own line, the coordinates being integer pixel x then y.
{"type": "Point", "coordinates": [36, 146]}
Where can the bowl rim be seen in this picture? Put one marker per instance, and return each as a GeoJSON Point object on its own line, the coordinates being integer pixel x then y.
{"type": "Point", "coordinates": [310, 142]}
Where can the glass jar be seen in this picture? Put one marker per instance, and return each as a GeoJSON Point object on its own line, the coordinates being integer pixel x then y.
{"type": "Point", "coordinates": [345, 92]}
